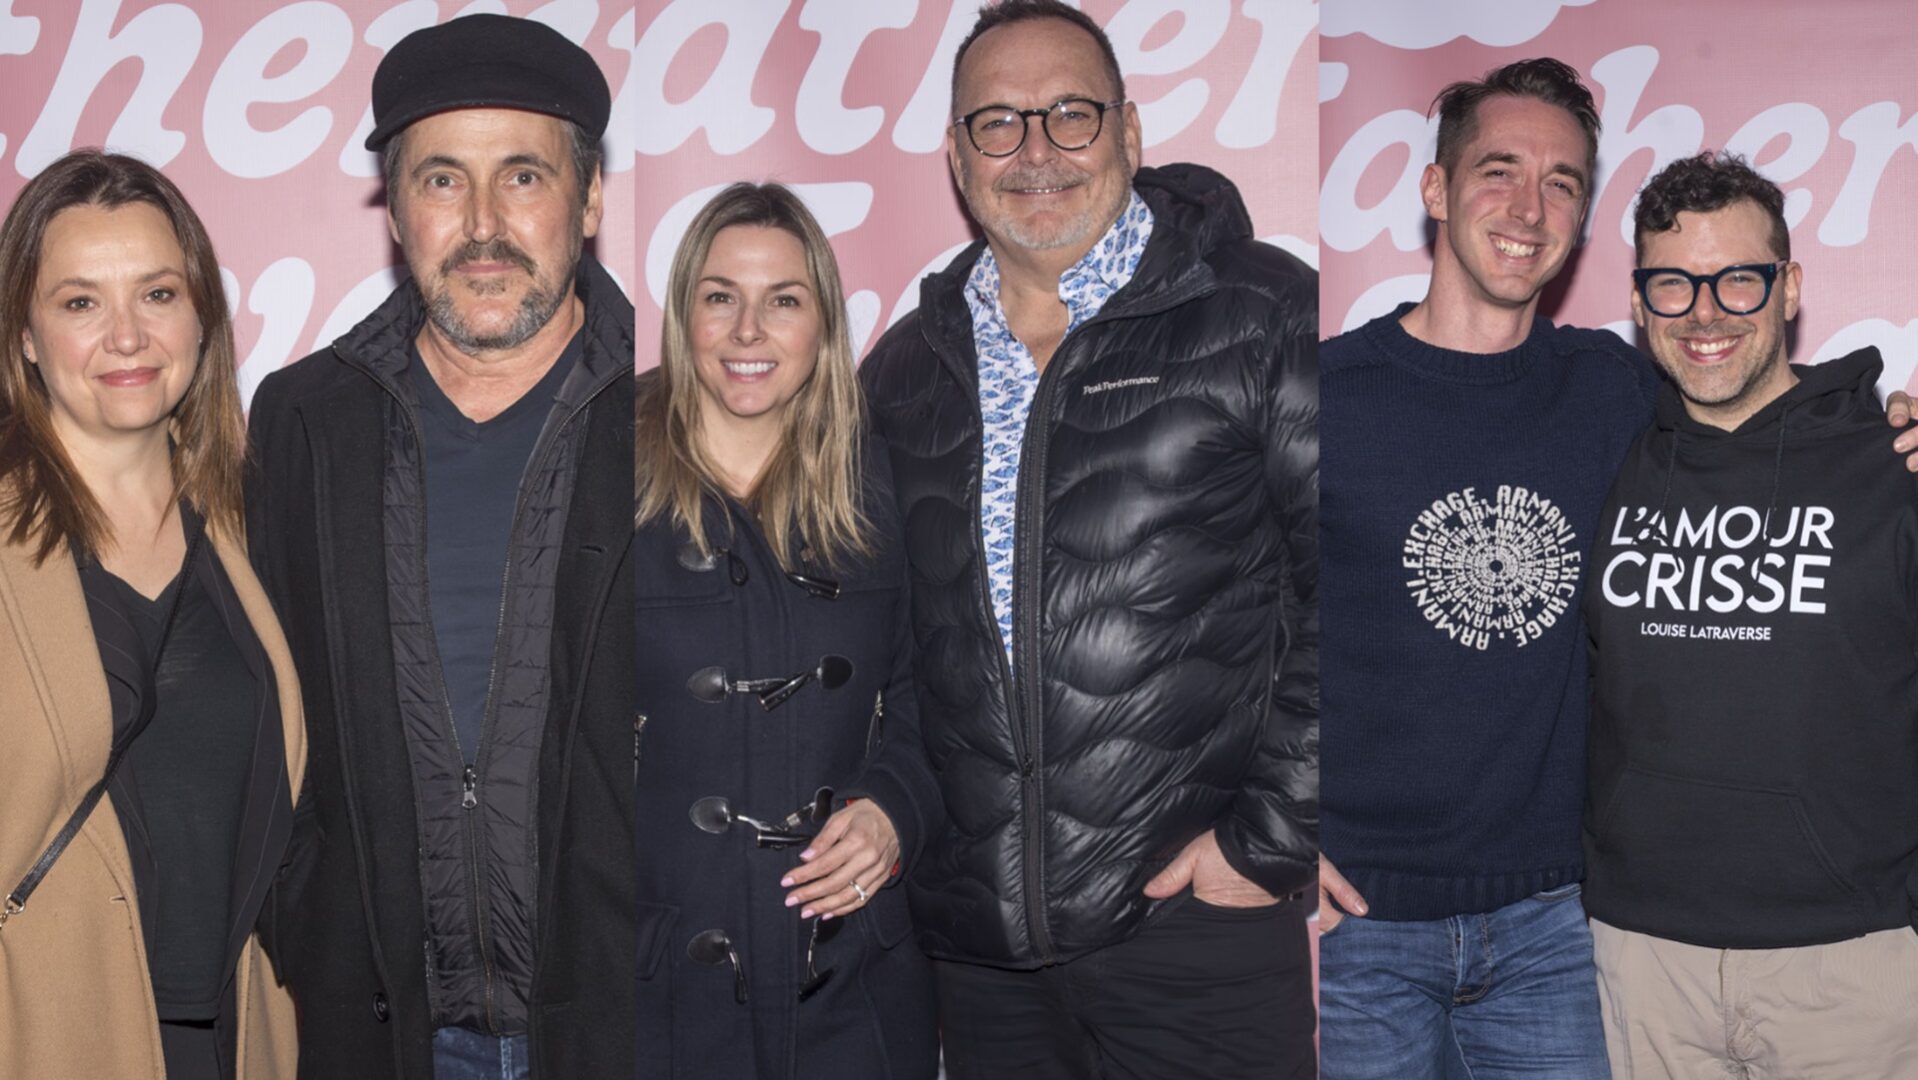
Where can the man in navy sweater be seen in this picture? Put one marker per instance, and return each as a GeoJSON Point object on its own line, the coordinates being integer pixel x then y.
{"type": "Point", "coordinates": [1469, 445]}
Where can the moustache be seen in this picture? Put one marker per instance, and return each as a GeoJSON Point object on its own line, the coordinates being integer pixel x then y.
{"type": "Point", "coordinates": [496, 250]}
{"type": "Point", "coordinates": [1726, 326]}
{"type": "Point", "coordinates": [1026, 179]}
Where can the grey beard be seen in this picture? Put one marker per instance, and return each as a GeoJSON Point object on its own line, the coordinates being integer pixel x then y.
{"type": "Point", "coordinates": [1066, 234]}
{"type": "Point", "coordinates": [536, 309]}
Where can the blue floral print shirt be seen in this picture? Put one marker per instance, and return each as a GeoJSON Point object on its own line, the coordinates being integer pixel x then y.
{"type": "Point", "coordinates": [1008, 379]}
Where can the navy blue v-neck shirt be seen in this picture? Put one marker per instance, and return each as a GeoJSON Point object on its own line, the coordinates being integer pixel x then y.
{"type": "Point", "coordinates": [473, 472]}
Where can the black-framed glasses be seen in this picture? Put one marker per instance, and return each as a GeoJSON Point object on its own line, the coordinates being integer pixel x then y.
{"type": "Point", "coordinates": [1071, 124]}
{"type": "Point", "coordinates": [1671, 293]}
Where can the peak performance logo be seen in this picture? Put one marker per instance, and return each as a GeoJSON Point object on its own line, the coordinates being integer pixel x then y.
{"type": "Point", "coordinates": [1727, 559]}
{"type": "Point", "coordinates": [1502, 569]}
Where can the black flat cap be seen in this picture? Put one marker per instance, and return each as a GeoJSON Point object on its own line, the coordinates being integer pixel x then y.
{"type": "Point", "coordinates": [487, 62]}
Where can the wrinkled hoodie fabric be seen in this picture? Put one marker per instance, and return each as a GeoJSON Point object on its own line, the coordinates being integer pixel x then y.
{"type": "Point", "coordinates": [1754, 605]}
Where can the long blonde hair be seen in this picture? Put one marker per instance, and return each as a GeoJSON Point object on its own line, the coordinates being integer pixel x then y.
{"type": "Point", "coordinates": [43, 500]}
{"type": "Point", "coordinates": [809, 488]}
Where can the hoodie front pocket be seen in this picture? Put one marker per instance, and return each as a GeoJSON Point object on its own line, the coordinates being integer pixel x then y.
{"type": "Point", "coordinates": [1715, 848]}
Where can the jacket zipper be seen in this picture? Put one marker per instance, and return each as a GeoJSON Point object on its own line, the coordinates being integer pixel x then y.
{"type": "Point", "coordinates": [1031, 789]}
{"type": "Point", "coordinates": [1028, 519]}
{"type": "Point", "coordinates": [482, 904]}
{"type": "Point", "coordinates": [875, 727]}
{"type": "Point", "coordinates": [469, 797]}
{"type": "Point", "coordinates": [639, 727]}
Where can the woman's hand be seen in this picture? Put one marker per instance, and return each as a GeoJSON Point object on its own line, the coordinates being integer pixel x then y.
{"type": "Point", "coordinates": [858, 847]}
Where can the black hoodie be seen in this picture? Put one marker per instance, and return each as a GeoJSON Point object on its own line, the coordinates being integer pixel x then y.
{"type": "Point", "coordinates": [1754, 762]}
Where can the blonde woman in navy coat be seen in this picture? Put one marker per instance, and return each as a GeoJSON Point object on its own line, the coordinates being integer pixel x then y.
{"type": "Point", "coordinates": [780, 782]}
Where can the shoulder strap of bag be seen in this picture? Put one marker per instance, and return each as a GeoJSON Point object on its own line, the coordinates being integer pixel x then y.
{"type": "Point", "coordinates": [16, 901]}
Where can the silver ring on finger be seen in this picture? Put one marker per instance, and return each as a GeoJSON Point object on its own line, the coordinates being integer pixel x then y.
{"type": "Point", "coordinates": [862, 892]}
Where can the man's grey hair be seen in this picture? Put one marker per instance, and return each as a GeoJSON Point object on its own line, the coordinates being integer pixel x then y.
{"type": "Point", "coordinates": [1009, 12]}
{"type": "Point", "coordinates": [586, 162]}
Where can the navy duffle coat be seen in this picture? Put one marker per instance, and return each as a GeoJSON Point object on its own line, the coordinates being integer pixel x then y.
{"type": "Point", "coordinates": [738, 611]}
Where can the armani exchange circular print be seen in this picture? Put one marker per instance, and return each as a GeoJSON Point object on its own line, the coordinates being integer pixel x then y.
{"type": "Point", "coordinates": [1492, 566]}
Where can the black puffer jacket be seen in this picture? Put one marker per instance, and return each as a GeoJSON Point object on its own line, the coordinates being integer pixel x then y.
{"type": "Point", "coordinates": [1164, 587]}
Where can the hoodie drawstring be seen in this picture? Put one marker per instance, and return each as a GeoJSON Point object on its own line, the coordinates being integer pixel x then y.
{"type": "Point", "coordinates": [1655, 526]}
{"type": "Point", "coordinates": [1771, 502]}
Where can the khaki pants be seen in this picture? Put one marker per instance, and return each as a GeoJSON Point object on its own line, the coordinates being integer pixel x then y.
{"type": "Point", "coordinates": [1845, 1011]}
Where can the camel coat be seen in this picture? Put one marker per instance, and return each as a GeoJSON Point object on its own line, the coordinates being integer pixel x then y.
{"type": "Point", "coordinates": [75, 996]}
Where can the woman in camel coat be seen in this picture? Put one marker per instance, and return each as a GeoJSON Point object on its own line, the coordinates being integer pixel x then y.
{"type": "Point", "coordinates": [129, 618]}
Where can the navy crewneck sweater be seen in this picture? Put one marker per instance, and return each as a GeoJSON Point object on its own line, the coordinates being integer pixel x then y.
{"type": "Point", "coordinates": [1459, 496]}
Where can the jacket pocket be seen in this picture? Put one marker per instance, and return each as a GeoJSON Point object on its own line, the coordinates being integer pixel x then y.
{"type": "Point", "coordinates": [1714, 850]}
{"type": "Point", "coordinates": [656, 922]}
{"type": "Point", "coordinates": [675, 585]}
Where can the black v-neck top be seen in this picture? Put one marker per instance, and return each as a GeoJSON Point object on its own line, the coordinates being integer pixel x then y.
{"type": "Point", "coordinates": [191, 767]}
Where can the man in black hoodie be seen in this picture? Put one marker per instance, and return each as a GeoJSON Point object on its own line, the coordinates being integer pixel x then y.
{"type": "Point", "coordinates": [1751, 825]}
{"type": "Point", "coordinates": [1114, 600]}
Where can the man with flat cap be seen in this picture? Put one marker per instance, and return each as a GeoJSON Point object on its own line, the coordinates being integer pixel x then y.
{"type": "Point", "coordinates": [441, 512]}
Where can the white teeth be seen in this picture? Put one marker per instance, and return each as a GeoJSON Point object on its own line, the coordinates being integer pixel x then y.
{"type": "Point", "coordinates": [1711, 348]}
{"type": "Point", "coordinates": [1517, 251]}
{"type": "Point", "coordinates": [755, 367]}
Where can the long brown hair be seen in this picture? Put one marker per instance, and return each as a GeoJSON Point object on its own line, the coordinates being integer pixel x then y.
{"type": "Point", "coordinates": [809, 487]}
{"type": "Point", "coordinates": [43, 500]}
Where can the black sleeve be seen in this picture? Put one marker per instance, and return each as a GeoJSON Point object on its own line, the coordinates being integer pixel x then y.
{"type": "Point", "coordinates": [899, 777]}
{"type": "Point", "coordinates": [1271, 833]}
{"type": "Point", "coordinates": [265, 533]}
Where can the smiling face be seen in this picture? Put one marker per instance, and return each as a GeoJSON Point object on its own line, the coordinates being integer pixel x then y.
{"type": "Point", "coordinates": [110, 328]}
{"type": "Point", "coordinates": [1042, 198]}
{"type": "Point", "coordinates": [489, 215]}
{"type": "Point", "coordinates": [755, 325]}
{"type": "Point", "coordinates": [1509, 211]}
{"type": "Point", "coordinates": [1727, 367]}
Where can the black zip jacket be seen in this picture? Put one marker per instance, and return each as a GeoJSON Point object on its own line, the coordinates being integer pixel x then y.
{"type": "Point", "coordinates": [1164, 590]}
{"type": "Point", "coordinates": [359, 911]}
{"type": "Point", "coordinates": [1754, 745]}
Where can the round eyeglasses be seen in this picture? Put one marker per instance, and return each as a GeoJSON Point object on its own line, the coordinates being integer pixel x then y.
{"type": "Point", "coordinates": [1000, 130]}
{"type": "Point", "coordinates": [1737, 290]}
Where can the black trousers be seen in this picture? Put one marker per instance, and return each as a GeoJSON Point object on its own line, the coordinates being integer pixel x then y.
{"type": "Point", "coordinates": [1203, 991]}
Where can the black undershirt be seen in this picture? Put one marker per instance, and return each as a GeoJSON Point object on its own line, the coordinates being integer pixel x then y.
{"type": "Point", "coordinates": [191, 767]}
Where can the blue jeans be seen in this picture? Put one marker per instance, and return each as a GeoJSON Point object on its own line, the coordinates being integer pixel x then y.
{"type": "Point", "coordinates": [459, 1054]}
{"type": "Point", "coordinates": [1510, 993]}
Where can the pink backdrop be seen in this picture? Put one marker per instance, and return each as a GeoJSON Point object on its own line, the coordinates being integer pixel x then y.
{"type": "Point", "coordinates": [257, 109]}
{"type": "Point", "coordinates": [847, 101]}
{"type": "Point", "coordinates": [1821, 97]}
